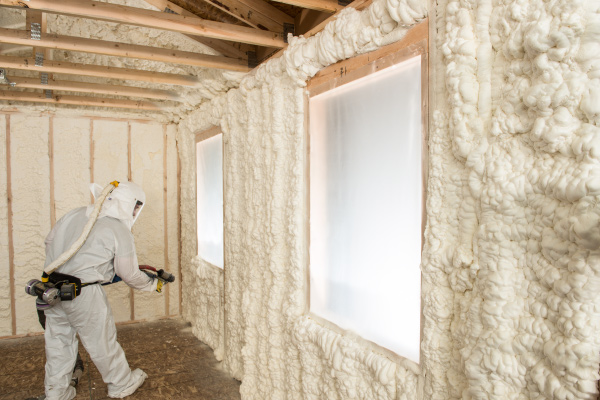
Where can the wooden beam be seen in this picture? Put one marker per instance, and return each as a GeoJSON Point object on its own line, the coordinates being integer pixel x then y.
{"type": "Point", "coordinates": [78, 100]}
{"type": "Point", "coordinates": [153, 19]}
{"type": "Point", "coordinates": [129, 178]}
{"type": "Point", "coordinates": [32, 17]}
{"type": "Point", "coordinates": [414, 35]}
{"type": "Point", "coordinates": [84, 87]}
{"type": "Point", "coordinates": [166, 217]}
{"type": "Point", "coordinates": [63, 67]}
{"type": "Point", "coordinates": [9, 222]}
{"type": "Point", "coordinates": [263, 7]}
{"type": "Point", "coordinates": [331, 6]}
{"type": "Point", "coordinates": [227, 49]}
{"type": "Point", "coordinates": [51, 170]}
{"type": "Point", "coordinates": [258, 14]}
{"type": "Point", "coordinates": [51, 41]}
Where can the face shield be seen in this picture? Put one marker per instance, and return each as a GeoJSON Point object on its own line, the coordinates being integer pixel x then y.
{"type": "Point", "coordinates": [137, 209]}
{"type": "Point", "coordinates": [125, 203]}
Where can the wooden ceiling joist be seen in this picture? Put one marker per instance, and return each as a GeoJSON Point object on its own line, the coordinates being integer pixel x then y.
{"type": "Point", "coordinates": [33, 17]}
{"type": "Point", "coordinates": [228, 49]}
{"type": "Point", "coordinates": [62, 67]}
{"type": "Point", "coordinates": [154, 19]}
{"type": "Point", "coordinates": [52, 41]}
{"type": "Point", "coordinates": [331, 6]}
{"type": "Point", "coordinates": [78, 100]}
{"type": "Point", "coordinates": [84, 87]}
{"type": "Point", "coordinates": [258, 14]}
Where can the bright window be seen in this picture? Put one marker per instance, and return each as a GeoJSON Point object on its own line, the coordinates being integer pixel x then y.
{"type": "Point", "coordinates": [366, 206]}
{"type": "Point", "coordinates": [209, 195]}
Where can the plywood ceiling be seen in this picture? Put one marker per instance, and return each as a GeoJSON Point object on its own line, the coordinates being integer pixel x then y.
{"type": "Point", "coordinates": [236, 35]}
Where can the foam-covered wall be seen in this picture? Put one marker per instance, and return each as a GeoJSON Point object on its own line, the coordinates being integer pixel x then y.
{"type": "Point", "coordinates": [51, 160]}
{"type": "Point", "coordinates": [510, 264]}
{"type": "Point", "coordinates": [514, 153]}
{"type": "Point", "coordinates": [266, 339]}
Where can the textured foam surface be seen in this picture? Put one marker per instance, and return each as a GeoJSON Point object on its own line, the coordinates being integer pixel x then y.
{"type": "Point", "coordinates": [147, 171]}
{"type": "Point", "coordinates": [30, 184]}
{"type": "Point", "coordinates": [270, 344]}
{"type": "Point", "coordinates": [510, 277]}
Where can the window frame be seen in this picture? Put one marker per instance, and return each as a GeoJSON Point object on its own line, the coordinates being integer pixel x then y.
{"type": "Point", "coordinates": [415, 43]}
{"type": "Point", "coordinates": [199, 137]}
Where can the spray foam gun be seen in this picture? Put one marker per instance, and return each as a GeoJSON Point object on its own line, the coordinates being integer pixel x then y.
{"type": "Point", "coordinates": [163, 276]}
{"type": "Point", "coordinates": [67, 287]}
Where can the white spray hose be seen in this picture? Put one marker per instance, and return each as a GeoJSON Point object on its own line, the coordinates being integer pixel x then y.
{"type": "Point", "coordinates": [64, 257]}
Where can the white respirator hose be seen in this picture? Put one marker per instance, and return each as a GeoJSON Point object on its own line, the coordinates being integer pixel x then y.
{"type": "Point", "coordinates": [64, 257]}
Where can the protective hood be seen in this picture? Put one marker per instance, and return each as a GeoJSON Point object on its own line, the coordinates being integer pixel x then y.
{"type": "Point", "coordinates": [123, 203]}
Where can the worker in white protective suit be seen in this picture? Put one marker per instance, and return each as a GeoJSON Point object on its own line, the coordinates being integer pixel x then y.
{"type": "Point", "coordinates": [108, 250]}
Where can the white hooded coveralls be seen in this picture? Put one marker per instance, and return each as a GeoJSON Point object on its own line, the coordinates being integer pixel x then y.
{"type": "Point", "coordinates": [108, 250]}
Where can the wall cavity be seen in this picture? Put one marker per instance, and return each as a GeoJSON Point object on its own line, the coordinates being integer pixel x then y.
{"type": "Point", "coordinates": [80, 149]}
{"type": "Point", "coordinates": [5, 295]}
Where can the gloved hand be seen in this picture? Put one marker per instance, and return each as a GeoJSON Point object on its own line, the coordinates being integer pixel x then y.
{"type": "Point", "coordinates": [162, 276]}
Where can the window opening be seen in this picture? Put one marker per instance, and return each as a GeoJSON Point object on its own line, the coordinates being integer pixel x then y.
{"type": "Point", "coordinates": [209, 197]}
{"type": "Point", "coordinates": [366, 206]}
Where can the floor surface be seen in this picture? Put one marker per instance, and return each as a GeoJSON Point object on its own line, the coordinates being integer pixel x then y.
{"type": "Point", "coordinates": [178, 365]}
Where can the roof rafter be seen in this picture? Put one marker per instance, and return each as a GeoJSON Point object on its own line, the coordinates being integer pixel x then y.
{"type": "Point", "coordinates": [258, 14]}
{"type": "Point", "coordinates": [63, 67]}
{"type": "Point", "coordinates": [154, 19]}
{"type": "Point", "coordinates": [52, 41]}
{"type": "Point", "coordinates": [224, 47]}
{"type": "Point", "coordinates": [319, 5]}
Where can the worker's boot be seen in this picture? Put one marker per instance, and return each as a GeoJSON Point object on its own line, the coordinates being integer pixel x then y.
{"type": "Point", "coordinates": [77, 371]}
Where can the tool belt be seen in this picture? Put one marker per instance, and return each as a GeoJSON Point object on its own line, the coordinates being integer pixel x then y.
{"type": "Point", "coordinates": [70, 286]}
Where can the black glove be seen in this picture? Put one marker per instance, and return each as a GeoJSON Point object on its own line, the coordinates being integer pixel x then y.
{"type": "Point", "coordinates": [165, 276]}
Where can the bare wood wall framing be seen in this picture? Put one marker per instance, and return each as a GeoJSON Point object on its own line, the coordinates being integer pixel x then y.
{"type": "Point", "coordinates": [244, 33]}
{"type": "Point", "coordinates": [10, 233]}
{"type": "Point", "coordinates": [49, 162]}
{"type": "Point", "coordinates": [131, 294]}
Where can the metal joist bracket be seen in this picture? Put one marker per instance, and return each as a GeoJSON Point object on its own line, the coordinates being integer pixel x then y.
{"type": "Point", "coordinates": [4, 78]}
{"type": "Point", "coordinates": [48, 93]}
{"type": "Point", "coordinates": [36, 31]}
{"type": "Point", "coordinates": [44, 78]}
{"type": "Point", "coordinates": [287, 28]}
{"type": "Point", "coordinates": [169, 11]}
{"type": "Point", "coordinates": [39, 59]}
{"type": "Point", "coordinates": [252, 59]}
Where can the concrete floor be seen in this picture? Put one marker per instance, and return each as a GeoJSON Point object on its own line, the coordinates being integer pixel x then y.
{"type": "Point", "coordinates": [178, 365]}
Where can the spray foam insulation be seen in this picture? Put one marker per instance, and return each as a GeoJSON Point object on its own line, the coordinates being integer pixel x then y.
{"type": "Point", "coordinates": [510, 272]}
